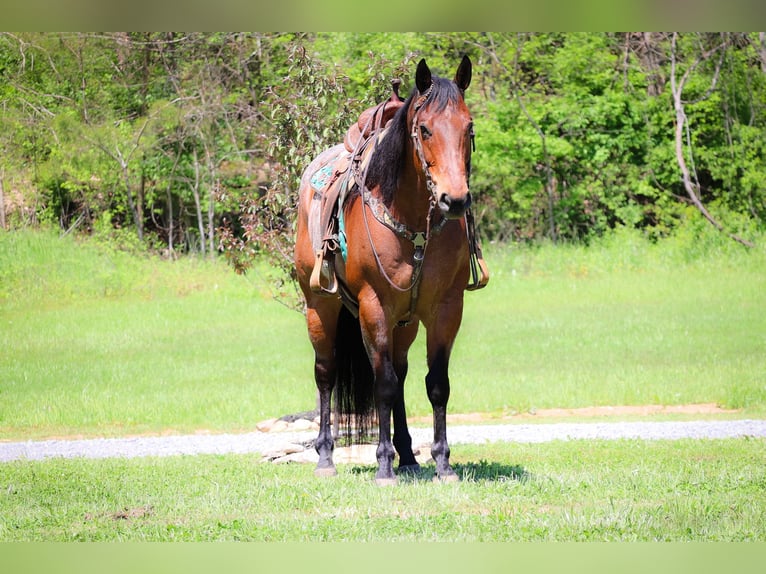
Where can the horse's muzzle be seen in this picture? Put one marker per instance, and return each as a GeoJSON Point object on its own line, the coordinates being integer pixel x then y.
{"type": "Point", "coordinates": [454, 208]}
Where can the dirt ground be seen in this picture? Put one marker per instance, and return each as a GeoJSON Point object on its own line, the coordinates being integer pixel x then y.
{"type": "Point", "coordinates": [588, 412]}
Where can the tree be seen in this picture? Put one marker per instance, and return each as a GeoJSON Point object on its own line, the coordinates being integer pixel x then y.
{"type": "Point", "coordinates": [690, 179]}
{"type": "Point", "coordinates": [175, 135]}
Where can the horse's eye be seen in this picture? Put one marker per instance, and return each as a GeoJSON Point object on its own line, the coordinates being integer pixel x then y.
{"type": "Point", "coordinates": [425, 132]}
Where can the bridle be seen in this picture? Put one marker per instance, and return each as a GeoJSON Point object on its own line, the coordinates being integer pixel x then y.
{"type": "Point", "coordinates": [418, 143]}
{"type": "Point", "coordinates": [380, 212]}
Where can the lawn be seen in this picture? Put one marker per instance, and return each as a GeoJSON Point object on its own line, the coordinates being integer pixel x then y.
{"type": "Point", "coordinates": [97, 342]}
{"type": "Point", "coordinates": [564, 491]}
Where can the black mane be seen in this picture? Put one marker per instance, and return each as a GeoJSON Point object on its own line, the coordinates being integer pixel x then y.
{"type": "Point", "coordinates": [387, 158]}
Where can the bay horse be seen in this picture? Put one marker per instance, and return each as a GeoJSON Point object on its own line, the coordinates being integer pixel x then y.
{"type": "Point", "coordinates": [406, 260]}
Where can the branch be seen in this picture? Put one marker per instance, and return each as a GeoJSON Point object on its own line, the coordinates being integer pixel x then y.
{"type": "Point", "coordinates": [677, 88]}
{"type": "Point", "coordinates": [549, 186]}
{"type": "Point", "coordinates": [716, 75]}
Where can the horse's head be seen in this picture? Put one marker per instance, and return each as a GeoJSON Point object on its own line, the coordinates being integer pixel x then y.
{"type": "Point", "coordinates": [442, 133]}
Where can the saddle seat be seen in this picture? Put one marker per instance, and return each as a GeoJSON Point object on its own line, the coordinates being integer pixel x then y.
{"type": "Point", "coordinates": [373, 119]}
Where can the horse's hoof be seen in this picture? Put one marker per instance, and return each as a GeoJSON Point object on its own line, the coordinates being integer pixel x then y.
{"type": "Point", "coordinates": [386, 481]}
{"type": "Point", "coordinates": [409, 468]}
{"type": "Point", "coordinates": [325, 472]}
{"type": "Point", "coordinates": [447, 478]}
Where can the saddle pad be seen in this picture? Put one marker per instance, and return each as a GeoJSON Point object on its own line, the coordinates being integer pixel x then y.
{"type": "Point", "coordinates": [322, 175]}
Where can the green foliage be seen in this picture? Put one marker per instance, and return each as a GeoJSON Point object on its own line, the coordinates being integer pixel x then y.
{"type": "Point", "coordinates": [576, 148]}
{"type": "Point", "coordinates": [176, 136]}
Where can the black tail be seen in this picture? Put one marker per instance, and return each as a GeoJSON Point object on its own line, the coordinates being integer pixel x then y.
{"type": "Point", "coordinates": [355, 398]}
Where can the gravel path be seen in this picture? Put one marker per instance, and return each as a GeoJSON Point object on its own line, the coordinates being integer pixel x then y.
{"type": "Point", "coordinates": [261, 443]}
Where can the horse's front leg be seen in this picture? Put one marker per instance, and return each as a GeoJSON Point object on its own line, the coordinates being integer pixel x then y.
{"type": "Point", "coordinates": [441, 336]}
{"type": "Point", "coordinates": [403, 338]}
{"type": "Point", "coordinates": [377, 339]}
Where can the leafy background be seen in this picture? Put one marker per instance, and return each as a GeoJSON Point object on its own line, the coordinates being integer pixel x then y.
{"type": "Point", "coordinates": [194, 142]}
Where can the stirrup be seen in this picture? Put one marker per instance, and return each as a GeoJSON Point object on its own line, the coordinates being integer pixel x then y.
{"type": "Point", "coordinates": [323, 271]}
{"type": "Point", "coordinates": [480, 276]}
{"type": "Point", "coordinates": [478, 267]}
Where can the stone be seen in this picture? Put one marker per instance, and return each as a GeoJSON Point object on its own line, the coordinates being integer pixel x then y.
{"type": "Point", "coordinates": [356, 454]}
{"type": "Point", "coordinates": [306, 456]}
{"type": "Point", "coordinates": [265, 426]}
{"type": "Point", "coordinates": [302, 425]}
{"type": "Point", "coordinates": [423, 453]}
{"type": "Point", "coordinates": [279, 426]}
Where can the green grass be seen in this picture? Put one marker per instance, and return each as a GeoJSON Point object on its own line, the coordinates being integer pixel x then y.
{"type": "Point", "coordinates": [98, 342]}
{"type": "Point", "coordinates": [94, 341]}
{"type": "Point", "coordinates": [141, 345]}
{"type": "Point", "coordinates": [563, 491]}
{"type": "Point", "coordinates": [624, 322]}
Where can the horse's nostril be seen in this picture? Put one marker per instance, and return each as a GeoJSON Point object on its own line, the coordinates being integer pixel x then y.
{"type": "Point", "coordinates": [454, 207]}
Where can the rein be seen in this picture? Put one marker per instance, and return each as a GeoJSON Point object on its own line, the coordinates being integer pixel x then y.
{"type": "Point", "coordinates": [380, 212]}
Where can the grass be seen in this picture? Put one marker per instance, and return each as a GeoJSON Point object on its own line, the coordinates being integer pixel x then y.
{"type": "Point", "coordinates": [145, 345]}
{"type": "Point", "coordinates": [98, 342]}
{"type": "Point", "coordinates": [563, 491]}
{"type": "Point", "coordinates": [620, 323]}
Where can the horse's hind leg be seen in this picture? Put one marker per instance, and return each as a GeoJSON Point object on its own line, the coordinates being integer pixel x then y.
{"type": "Point", "coordinates": [321, 325]}
{"type": "Point", "coordinates": [404, 336]}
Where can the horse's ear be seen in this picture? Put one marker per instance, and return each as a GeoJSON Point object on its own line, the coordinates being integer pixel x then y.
{"type": "Point", "coordinates": [423, 76]}
{"type": "Point", "coordinates": [463, 74]}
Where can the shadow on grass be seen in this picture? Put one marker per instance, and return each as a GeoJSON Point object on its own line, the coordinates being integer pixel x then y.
{"type": "Point", "coordinates": [482, 471]}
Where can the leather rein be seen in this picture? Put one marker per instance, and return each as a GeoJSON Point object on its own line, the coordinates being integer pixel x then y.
{"type": "Point", "coordinates": [380, 212]}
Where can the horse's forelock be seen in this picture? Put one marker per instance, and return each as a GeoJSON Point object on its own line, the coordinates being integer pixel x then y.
{"type": "Point", "coordinates": [444, 93]}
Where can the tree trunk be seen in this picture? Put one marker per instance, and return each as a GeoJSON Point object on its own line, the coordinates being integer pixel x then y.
{"type": "Point", "coordinates": [2, 202]}
{"type": "Point", "coordinates": [198, 204]}
{"type": "Point", "coordinates": [131, 202]}
{"type": "Point", "coordinates": [214, 182]}
{"type": "Point", "coordinates": [691, 187]}
{"type": "Point", "coordinates": [140, 195]}
{"type": "Point", "coordinates": [211, 218]}
{"type": "Point", "coordinates": [170, 220]}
